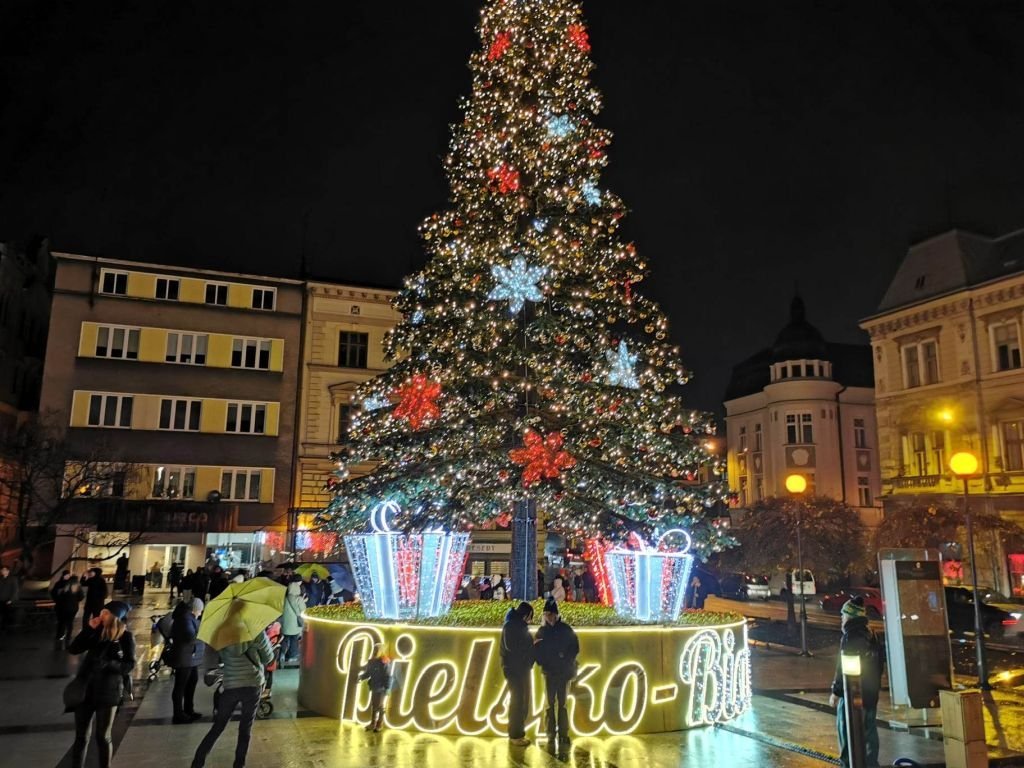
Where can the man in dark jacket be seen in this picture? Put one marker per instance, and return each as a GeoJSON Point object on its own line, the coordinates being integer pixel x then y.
{"type": "Point", "coordinates": [557, 648]}
{"type": "Point", "coordinates": [517, 663]}
{"type": "Point", "coordinates": [316, 591]}
{"type": "Point", "coordinates": [858, 640]}
{"type": "Point", "coordinates": [185, 655]}
{"type": "Point", "coordinates": [8, 594]}
{"type": "Point", "coordinates": [95, 595]}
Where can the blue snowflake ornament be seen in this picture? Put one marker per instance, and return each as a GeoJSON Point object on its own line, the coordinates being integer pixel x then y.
{"type": "Point", "coordinates": [517, 284]}
{"type": "Point", "coordinates": [560, 126]}
{"type": "Point", "coordinates": [623, 364]}
{"type": "Point", "coordinates": [591, 193]}
{"type": "Point", "coordinates": [375, 403]}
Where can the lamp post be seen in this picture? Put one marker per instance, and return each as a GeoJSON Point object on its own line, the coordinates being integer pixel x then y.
{"type": "Point", "coordinates": [796, 485]}
{"type": "Point", "coordinates": [965, 465]}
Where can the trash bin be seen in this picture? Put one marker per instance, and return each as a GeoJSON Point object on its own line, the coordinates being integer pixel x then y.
{"type": "Point", "coordinates": [138, 585]}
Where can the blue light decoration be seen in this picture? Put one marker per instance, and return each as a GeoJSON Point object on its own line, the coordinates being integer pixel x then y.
{"type": "Point", "coordinates": [560, 126]}
{"type": "Point", "coordinates": [375, 403]}
{"type": "Point", "coordinates": [402, 576]}
{"type": "Point", "coordinates": [417, 317]}
{"type": "Point", "coordinates": [517, 284]}
{"type": "Point", "coordinates": [540, 224]}
{"type": "Point", "coordinates": [623, 363]}
{"type": "Point", "coordinates": [648, 585]}
{"type": "Point", "coordinates": [591, 193]}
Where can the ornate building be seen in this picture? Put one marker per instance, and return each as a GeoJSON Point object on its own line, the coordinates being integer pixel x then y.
{"type": "Point", "coordinates": [804, 405]}
{"type": "Point", "coordinates": [948, 377]}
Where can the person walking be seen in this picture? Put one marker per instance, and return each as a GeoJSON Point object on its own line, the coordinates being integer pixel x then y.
{"type": "Point", "coordinates": [377, 674]}
{"type": "Point", "coordinates": [188, 583]}
{"type": "Point", "coordinates": [121, 573]}
{"type": "Point", "coordinates": [243, 682]}
{"type": "Point", "coordinates": [105, 671]}
{"type": "Point", "coordinates": [95, 595]}
{"type": "Point", "coordinates": [517, 659]}
{"type": "Point", "coordinates": [858, 640]}
{"type": "Point", "coordinates": [67, 596]}
{"type": "Point", "coordinates": [174, 580]}
{"type": "Point", "coordinates": [8, 595]}
{"type": "Point", "coordinates": [291, 621]}
{"type": "Point", "coordinates": [589, 585]}
{"type": "Point", "coordinates": [185, 656]}
{"type": "Point", "coordinates": [557, 648]}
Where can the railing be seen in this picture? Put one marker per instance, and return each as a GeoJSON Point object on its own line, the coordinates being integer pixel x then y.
{"type": "Point", "coordinates": [918, 481]}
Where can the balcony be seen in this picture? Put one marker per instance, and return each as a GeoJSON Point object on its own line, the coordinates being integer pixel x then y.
{"type": "Point", "coordinates": [918, 481]}
{"type": "Point", "coordinates": [135, 516]}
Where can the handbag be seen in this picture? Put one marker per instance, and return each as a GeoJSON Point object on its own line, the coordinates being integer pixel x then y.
{"type": "Point", "coordinates": [74, 694]}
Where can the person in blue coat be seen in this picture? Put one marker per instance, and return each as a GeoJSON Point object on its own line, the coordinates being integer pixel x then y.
{"type": "Point", "coordinates": [557, 648]}
{"type": "Point", "coordinates": [184, 657]}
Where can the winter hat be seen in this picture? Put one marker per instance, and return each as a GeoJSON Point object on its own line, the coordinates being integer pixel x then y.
{"type": "Point", "coordinates": [551, 605]}
{"type": "Point", "coordinates": [239, 578]}
{"type": "Point", "coordinates": [525, 610]}
{"type": "Point", "coordinates": [118, 608]}
{"type": "Point", "coordinates": [854, 608]}
{"type": "Point", "coordinates": [196, 605]}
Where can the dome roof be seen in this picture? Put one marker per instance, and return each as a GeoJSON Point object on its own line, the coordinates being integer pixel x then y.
{"type": "Point", "coordinates": [798, 340]}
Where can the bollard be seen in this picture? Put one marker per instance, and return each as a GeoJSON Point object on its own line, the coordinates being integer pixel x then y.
{"type": "Point", "coordinates": [854, 706]}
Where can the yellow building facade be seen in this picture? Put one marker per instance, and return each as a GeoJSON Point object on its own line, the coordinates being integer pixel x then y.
{"type": "Point", "coordinates": [948, 377]}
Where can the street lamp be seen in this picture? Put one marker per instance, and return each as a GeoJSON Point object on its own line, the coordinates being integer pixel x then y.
{"type": "Point", "coordinates": [965, 465]}
{"type": "Point", "coordinates": [796, 485]}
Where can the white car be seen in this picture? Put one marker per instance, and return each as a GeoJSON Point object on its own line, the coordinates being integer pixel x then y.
{"type": "Point", "coordinates": [804, 586]}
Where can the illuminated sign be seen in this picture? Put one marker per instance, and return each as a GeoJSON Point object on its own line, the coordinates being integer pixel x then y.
{"type": "Point", "coordinates": [639, 679]}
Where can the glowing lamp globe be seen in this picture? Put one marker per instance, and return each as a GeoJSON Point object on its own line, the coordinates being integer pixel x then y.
{"type": "Point", "coordinates": [796, 483]}
{"type": "Point", "coordinates": [963, 464]}
{"type": "Point", "coordinates": [402, 576]}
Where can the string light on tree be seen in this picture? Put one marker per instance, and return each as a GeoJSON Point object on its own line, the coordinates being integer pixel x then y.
{"type": "Point", "coordinates": [517, 284]}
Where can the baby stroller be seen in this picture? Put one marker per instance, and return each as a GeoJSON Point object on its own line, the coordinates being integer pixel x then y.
{"type": "Point", "coordinates": [215, 677]}
{"type": "Point", "coordinates": [160, 642]}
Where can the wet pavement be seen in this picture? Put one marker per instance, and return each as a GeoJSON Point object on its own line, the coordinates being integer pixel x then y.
{"type": "Point", "coordinates": [789, 725]}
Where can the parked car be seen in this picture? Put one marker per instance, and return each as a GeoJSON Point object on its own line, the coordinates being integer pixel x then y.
{"type": "Point", "coordinates": [744, 586]}
{"type": "Point", "coordinates": [833, 603]}
{"type": "Point", "coordinates": [996, 622]}
{"type": "Point", "coordinates": [804, 586]}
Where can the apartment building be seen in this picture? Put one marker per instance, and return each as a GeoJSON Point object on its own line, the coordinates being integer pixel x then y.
{"type": "Point", "coordinates": [190, 376]}
{"type": "Point", "coordinates": [804, 406]}
{"type": "Point", "coordinates": [946, 343]}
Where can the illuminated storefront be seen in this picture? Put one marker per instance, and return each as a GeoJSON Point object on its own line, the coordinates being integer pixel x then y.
{"type": "Point", "coordinates": [634, 679]}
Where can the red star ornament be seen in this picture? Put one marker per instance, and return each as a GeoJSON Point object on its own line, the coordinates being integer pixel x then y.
{"type": "Point", "coordinates": [502, 42]}
{"type": "Point", "coordinates": [579, 37]}
{"type": "Point", "coordinates": [417, 401]}
{"type": "Point", "coordinates": [505, 178]}
{"type": "Point", "coordinates": [542, 458]}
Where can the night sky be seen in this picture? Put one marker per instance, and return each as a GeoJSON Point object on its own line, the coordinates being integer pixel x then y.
{"type": "Point", "coordinates": [758, 143]}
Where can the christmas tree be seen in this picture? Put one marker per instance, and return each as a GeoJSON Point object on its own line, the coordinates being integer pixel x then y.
{"type": "Point", "coordinates": [530, 371]}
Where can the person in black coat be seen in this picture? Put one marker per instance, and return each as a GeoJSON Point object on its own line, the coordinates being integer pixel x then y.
{"type": "Point", "coordinates": [106, 670]}
{"type": "Point", "coordinates": [218, 582]}
{"type": "Point", "coordinates": [67, 596]}
{"type": "Point", "coordinates": [557, 648]}
{"type": "Point", "coordinates": [517, 658]}
{"type": "Point", "coordinates": [858, 640]}
{"type": "Point", "coordinates": [201, 584]}
{"type": "Point", "coordinates": [184, 657]}
{"type": "Point", "coordinates": [174, 580]}
{"type": "Point", "coordinates": [95, 595]}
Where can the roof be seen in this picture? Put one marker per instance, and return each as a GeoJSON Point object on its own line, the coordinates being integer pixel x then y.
{"type": "Point", "coordinates": [951, 262]}
{"type": "Point", "coordinates": [799, 340]}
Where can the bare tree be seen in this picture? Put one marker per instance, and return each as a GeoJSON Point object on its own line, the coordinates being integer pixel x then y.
{"type": "Point", "coordinates": [41, 479]}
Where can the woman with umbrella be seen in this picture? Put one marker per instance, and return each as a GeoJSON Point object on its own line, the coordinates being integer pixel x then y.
{"type": "Point", "coordinates": [233, 624]}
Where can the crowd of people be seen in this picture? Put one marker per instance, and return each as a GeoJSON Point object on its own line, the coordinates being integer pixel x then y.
{"type": "Point", "coordinates": [576, 584]}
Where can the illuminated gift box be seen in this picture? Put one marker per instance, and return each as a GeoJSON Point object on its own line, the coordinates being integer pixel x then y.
{"type": "Point", "coordinates": [649, 584]}
{"type": "Point", "coordinates": [405, 575]}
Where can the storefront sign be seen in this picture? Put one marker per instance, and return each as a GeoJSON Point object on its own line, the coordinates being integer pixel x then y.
{"type": "Point", "coordinates": [640, 679]}
{"type": "Point", "coordinates": [480, 548]}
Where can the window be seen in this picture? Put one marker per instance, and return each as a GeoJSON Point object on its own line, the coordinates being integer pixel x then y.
{"type": "Point", "coordinates": [122, 343]}
{"type": "Point", "coordinates": [1013, 446]}
{"type": "Point", "coordinates": [263, 298]}
{"type": "Point", "coordinates": [864, 491]}
{"type": "Point", "coordinates": [352, 349]}
{"type": "Point", "coordinates": [180, 415]}
{"type": "Point", "coordinates": [250, 353]}
{"type": "Point", "coordinates": [186, 348]}
{"type": "Point", "coordinates": [1007, 345]}
{"type": "Point", "coordinates": [919, 456]}
{"type": "Point", "coordinates": [217, 293]}
{"type": "Point", "coordinates": [743, 492]}
{"type": "Point", "coordinates": [110, 411]}
{"type": "Point", "coordinates": [174, 482]}
{"type": "Point", "coordinates": [344, 422]}
{"type": "Point", "coordinates": [167, 288]}
{"type": "Point", "coordinates": [860, 434]}
{"type": "Point", "coordinates": [743, 439]}
{"type": "Point", "coordinates": [758, 438]}
{"type": "Point", "coordinates": [921, 364]}
{"type": "Point", "coordinates": [247, 418]}
{"type": "Point", "coordinates": [799, 429]}
{"type": "Point", "coordinates": [758, 487]}
{"type": "Point", "coordinates": [938, 452]}
{"type": "Point", "coordinates": [240, 484]}
{"type": "Point", "coordinates": [115, 283]}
